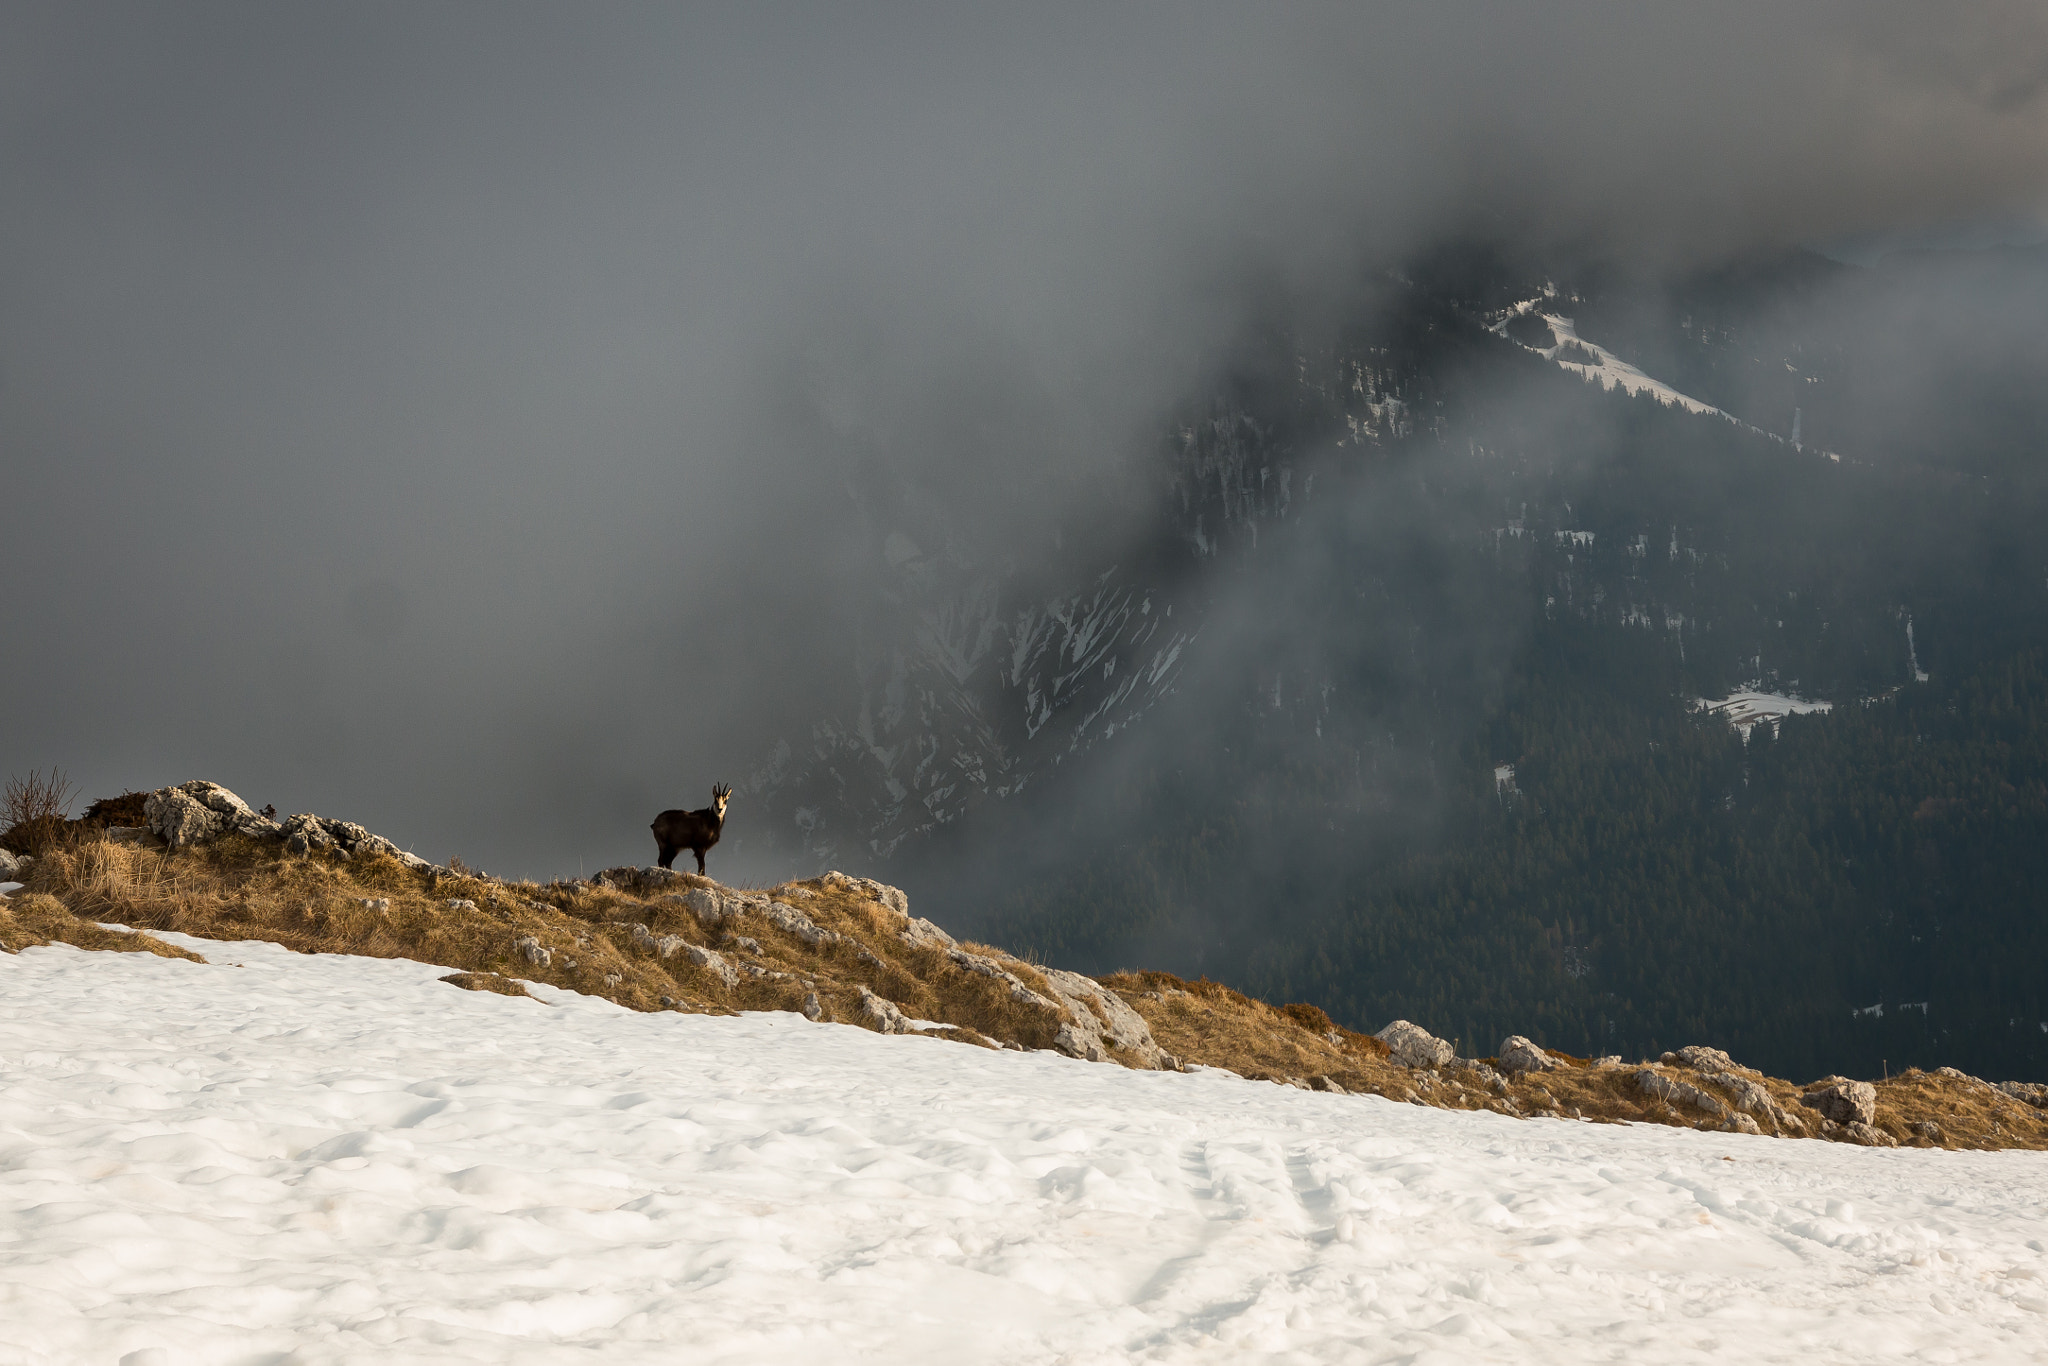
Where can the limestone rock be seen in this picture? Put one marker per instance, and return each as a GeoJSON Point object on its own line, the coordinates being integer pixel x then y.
{"type": "Point", "coordinates": [1410, 1045]}
{"type": "Point", "coordinates": [1700, 1058]}
{"type": "Point", "coordinates": [1101, 1020]}
{"type": "Point", "coordinates": [533, 951]}
{"type": "Point", "coordinates": [891, 897]}
{"type": "Point", "coordinates": [1740, 1124]}
{"type": "Point", "coordinates": [1869, 1135]}
{"type": "Point", "coordinates": [1673, 1091]}
{"type": "Point", "coordinates": [792, 921]}
{"type": "Point", "coordinates": [883, 1015]}
{"type": "Point", "coordinates": [812, 1009]}
{"type": "Point", "coordinates": [922, 934]}
{"type": "Point", "coordinates": [1929, 1130]}
{"type": "Point", "coordinates": [989, 967]}
{"type": "Point", "coordinates": [14, 867]}
{"type": "Point", "coordinates": [178, 818]}
{"type": "Point", "coordinates": [1843, 1101]}
{"type": "Point", "coordinates": [713, 905]}
{"type": "Point", "coordinates": [712, 962]}
{"type": "Point", "coordinates": [2032, 1092]}
{"type": "Point", "coordinates": [303, 833]}
{"type": "Point", "coordinates": [662, 946]}
{"type": "Point", "coordinates": [1518, 1054]}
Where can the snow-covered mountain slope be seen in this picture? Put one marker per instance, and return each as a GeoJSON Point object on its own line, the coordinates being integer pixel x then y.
{"type": "Point", "coordinates": [326, 1159]}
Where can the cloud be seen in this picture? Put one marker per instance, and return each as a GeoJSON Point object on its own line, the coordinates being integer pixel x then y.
{"type": "Point", "coordinates": [484, 422]}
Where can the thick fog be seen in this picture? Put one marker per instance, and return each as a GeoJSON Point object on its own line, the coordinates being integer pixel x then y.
{"type": "Point", "coordinates": [484, 422]}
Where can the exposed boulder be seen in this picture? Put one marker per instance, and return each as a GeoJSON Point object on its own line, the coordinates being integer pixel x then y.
{"type": "Point", "coordinates": [713, 906]}
{"type": "Point", "coordinates": [713, 962]}
{"type": "Point", "coordinates": [1700, 1058]}
{"type": "Point", "coordinates": [14, 867]}
{"type": "Point", "coordinates": [533, 951]}
{"type": "Point", "coordinates": [1101, 1020]}
{"type": "Point", "coordinates": [1843, 1101]}
{"type": "Point", "coordinates": [1675, 1092]}
{"type": "Point", "coordinates": [662, 946]}
{"type": "Point", "coordinates": [882, 1015]}
{"type": "Point", "coordinates": [1518, 1054]}
{"type": "Point", "coordinates": [2032, 1092]}
{"type": "Point", "coordinates": [1410, 1045]}
{"type": "Point", "coordinates": [1869, 1135]}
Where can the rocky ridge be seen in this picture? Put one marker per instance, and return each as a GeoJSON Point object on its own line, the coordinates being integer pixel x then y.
{"type": "Point", "coordinates": [844, 949]}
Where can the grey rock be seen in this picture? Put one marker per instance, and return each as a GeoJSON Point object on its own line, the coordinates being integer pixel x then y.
{"type": "Point", "coordinates": [922, 934]}
{"type": "Point", "coordinates": [883, 1015]}
{"type": "Point", "coordinates": [14, 867]}
{"type": "Point", "coordinates": [303, 833]}
{"type": "Point", "coordinates": [1842, 1101]}
{"type": "Point", "coordinates": [753, 946]}
{"type": "Point", "coordinates": [813, 1009]}
{"type": "Point", "coordinates": [380, 904]}
{"type": "Point", "coordinates": [1703, 1059]}
{"type": "Point", "coordinates": [179, 819]}
{"type": "Point", "coordinates": [1077, 1044]}
{"type": "Point", "coordinates": [1868, 1135]}
{"type": "Point", "coordinates": [713, 962]}
{"type": "Point", "coordinates": [1410, 1045]}
{"type": "Point", "coordinates": [662, 946]}
{"type": "Point", "coordinates": [1740, 1124]}
{"type": "Point", "coordinates": [1518, 1054]}
{"type": "Point", "coordinates": [456, 903]}
{"type": "Point", "coordinates": [792, 921]}
{"type": "Point", "coordinates": [1021, 993]}
{"type": "Point", "coordinates": [1928, 1129]}
{"type": "Point", "coordinates": [1675, 1092]}
{"type": "Point", "coordinates": [1611, 1060]}
{"type": "Point", "coordinates": [533, 951]}
{"type": "Point", "coordinates": [2032, 1092]}
{"type": "Point", "coordinates": [891, 897]}
{"type": "Point", "coordinates": [712, 906]}
{"type": "Point", "coordinates": [1101, 1019]}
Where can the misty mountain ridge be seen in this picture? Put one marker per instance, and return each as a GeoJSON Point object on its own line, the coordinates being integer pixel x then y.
{"type": "Point", "coordinates": [1287, 685]}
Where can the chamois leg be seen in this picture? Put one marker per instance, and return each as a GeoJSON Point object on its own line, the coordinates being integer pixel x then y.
{"type": "Point", "coordinates": [700, 861]}
{"type": "Point", "coordinates": [668, 856]}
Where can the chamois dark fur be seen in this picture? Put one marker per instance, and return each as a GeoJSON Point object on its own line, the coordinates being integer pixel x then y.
{"type": "Point", "coordinates": [695, 831]}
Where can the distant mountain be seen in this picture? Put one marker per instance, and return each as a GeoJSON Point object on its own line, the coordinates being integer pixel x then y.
{"type": "Point", "coordinates": [1259, 736]}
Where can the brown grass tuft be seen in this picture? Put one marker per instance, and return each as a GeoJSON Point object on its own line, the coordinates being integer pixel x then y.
{"type": "Point", "coordinates": [33, 811]}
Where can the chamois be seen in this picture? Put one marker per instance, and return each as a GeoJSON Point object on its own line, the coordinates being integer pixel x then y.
{"type": "Point", "coordinates": [695, 831]}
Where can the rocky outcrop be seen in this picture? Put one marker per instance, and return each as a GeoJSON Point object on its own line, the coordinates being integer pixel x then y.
{"type": "Point", "coordinates": [1102, 1022]}
{"type": "Point", "coordinates": [883, 1015]}
{"type": "Point", "coordinates": [14, 867]}
{"type": "Point", "coordinates": [1842, 1101]}
{"type": "Point", "coordinates": [713, 962]}
{"type": "Point", "coordinates": [1700, 1058]}
{"type": "Point", "coordinates": [195, 812]}
{"type": "Point", "coordinates": [1410, 1045]}
{"type": "Point", "coordinates": [1517, 1054]}
{"type": "Point", "coordinates": [198, 812]}
{"type": "Point", "coordinates": [1674, 1092]}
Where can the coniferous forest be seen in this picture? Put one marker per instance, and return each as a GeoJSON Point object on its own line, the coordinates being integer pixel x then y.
{"type": "Point", "coordinates": [1449, 761]}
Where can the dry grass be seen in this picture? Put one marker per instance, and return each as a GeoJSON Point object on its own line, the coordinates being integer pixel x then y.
{"type": "Point", "coordinates": [644, 947]}
{"type": "Point", "coordinates": [32, 920]}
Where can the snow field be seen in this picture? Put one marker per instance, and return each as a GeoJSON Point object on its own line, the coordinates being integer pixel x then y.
{"type": "Point", "coordinates": [289, 1159]}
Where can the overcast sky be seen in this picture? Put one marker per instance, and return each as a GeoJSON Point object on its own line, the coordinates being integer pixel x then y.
{"type": "Point", "coordinates": [443, 416]}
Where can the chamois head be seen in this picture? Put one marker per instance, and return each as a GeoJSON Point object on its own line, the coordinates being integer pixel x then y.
{"type": "Point", "coordinates": [721, 793]}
